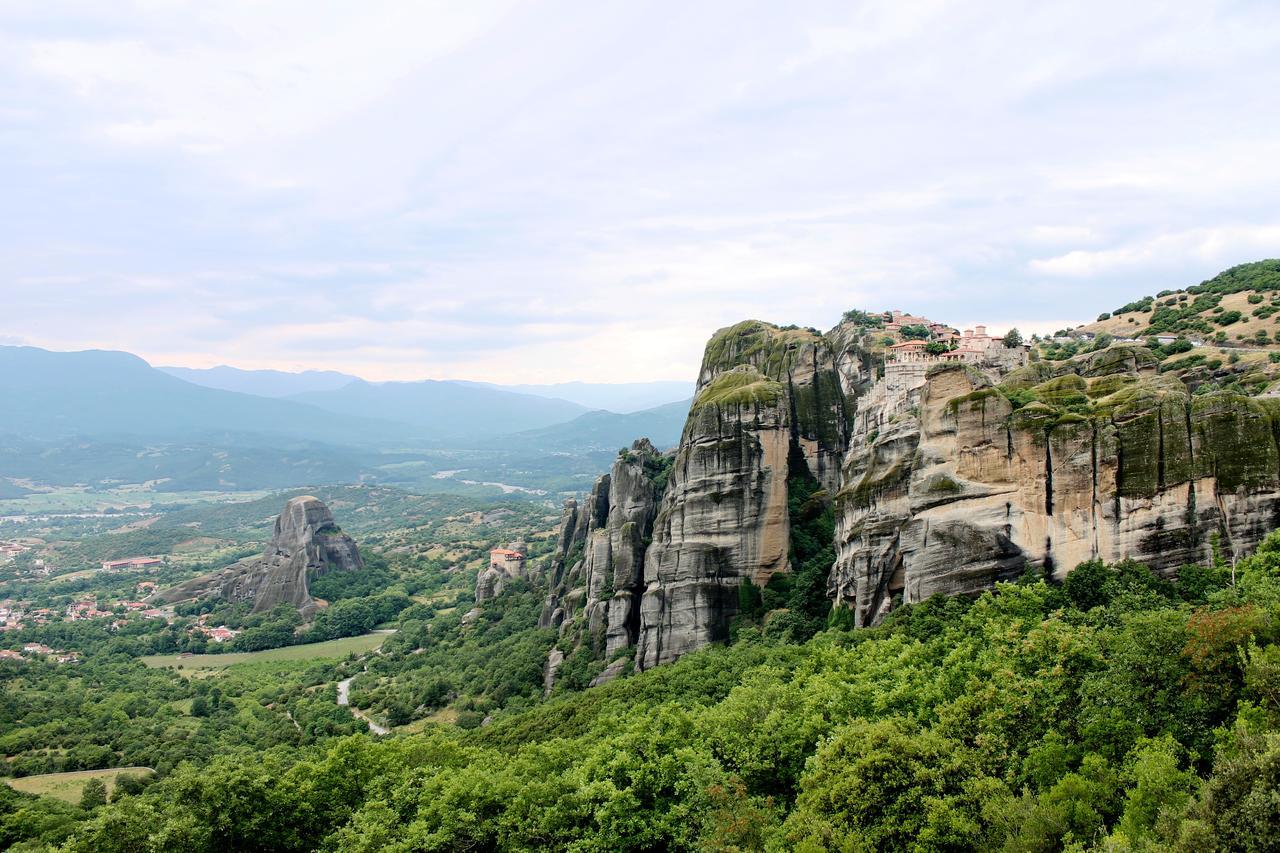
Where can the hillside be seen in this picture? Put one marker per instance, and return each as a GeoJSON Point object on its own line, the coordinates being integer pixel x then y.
{"type": "Point", "coordinates": [605, 430]}
{"type": "Point", "coordinates": [1238, 307]}
{"type": "Point", "coordinates": [1116, 711]}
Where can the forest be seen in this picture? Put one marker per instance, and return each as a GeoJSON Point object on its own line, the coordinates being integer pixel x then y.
{"type": "Point", "coordinates": [1117, 710]}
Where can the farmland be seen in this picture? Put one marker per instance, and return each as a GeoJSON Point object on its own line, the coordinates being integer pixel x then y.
{"type": "Point", "coordinates": [330, 649]}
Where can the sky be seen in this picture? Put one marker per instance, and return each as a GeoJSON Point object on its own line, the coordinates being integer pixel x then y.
{"type": "Point", "coordinates": [545, 192]}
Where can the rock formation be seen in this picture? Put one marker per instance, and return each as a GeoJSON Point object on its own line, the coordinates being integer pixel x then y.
{"type": "Point", "coordinates": [768, 400]}
{"type": "Point", "coordinates": [305, 543]}
{"type": "Point", "coordinates": [952, 470]}
{"type": "Point", "coordinates": [597, 570]}
{"type": "Point", "coordinates": [951, 488]}
{"type": "Point", "coordinates": [490, 584]}
{"type": "Point", "coordinates": [492, 580]}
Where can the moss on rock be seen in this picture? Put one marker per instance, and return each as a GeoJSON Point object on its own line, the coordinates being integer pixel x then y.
{"type": "Point", "coordinates": [1028, 376]}
{"type": "Point", "coordinates": [741, 386]}
{"type": "Point", "coordinates": [1062, 391]}
{"type": "Point", "coordinates": [1119, 358]}
{"type": "Point", "coordinates": [973, 401]}
{"type": "Point", "coordinates": [1103, 386]}
{"type": "Point", "coordinates": [1235, 441]}
{"type": "Point", "coordinates": [771, 350]}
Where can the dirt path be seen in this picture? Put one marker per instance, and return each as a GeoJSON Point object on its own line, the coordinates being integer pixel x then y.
{"type": "Point", "coordinates": [344, 699]}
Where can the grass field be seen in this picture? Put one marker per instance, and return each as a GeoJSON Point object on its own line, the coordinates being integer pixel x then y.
{"type": "Point", "coordinates": [69, 786]}
{"type": "Point", "coordinates": [311, 651]}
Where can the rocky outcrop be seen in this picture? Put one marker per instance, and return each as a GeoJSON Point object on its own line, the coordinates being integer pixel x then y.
{"type": "Point", "coordinates": [1097, 458]}
{"type": "Point", "coordinates": [769, 401]}
{"type": "Point", "coordinates": [305, 543]}
{"type": "Point", "coordinates": [951, 469]}
{"type": "Point", "coordinates": [491, 581]}
{"type": "Point", "coordinates": [597, 570]}
{"type": "Point", "coordinates": [489, 584]}
{"type": "Point", "coordinates": [555, 659]}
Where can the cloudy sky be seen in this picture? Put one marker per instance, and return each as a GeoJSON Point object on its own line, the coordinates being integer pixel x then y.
{"type": "Point", "coordinates": [527, 192]}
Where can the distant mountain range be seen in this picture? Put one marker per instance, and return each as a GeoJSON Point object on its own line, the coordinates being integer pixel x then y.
{"type": "Point", "coordinates": [623, 398]}
{"type": "Point", "coordinates": [52, 395]}
{"type": "Point", "coordinates": [606, 430]}
{"type": "Point", "coordinates": [100, 417]}
{"type": "Point", "coordinates": [445, 410]}
{"type": "Point", "coordinates": [263, 383]}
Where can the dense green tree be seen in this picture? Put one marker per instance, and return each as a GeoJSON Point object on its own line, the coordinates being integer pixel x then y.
{"type": "Point", "coordinates": [93, 794]}
{"type": "Point", "coordinates": [888, 785]}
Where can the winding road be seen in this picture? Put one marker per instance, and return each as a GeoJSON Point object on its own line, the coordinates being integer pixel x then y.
{"type": "Point", "coordinates": [344, 699]}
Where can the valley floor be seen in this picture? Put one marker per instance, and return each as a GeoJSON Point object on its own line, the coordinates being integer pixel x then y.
{"type": "Point", "coordinates": [327, 650]}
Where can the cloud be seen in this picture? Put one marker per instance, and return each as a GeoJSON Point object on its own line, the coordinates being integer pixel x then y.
{"type": "Point", "coordinates": [544, 192]}
{"type": "Point", "coordinates": [1194, 248]}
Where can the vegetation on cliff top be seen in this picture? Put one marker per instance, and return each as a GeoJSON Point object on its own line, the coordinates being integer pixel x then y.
{"type": "Point", "coordinates": [770, 349]}
{"type": "Point", "coordinates": [742, 386]}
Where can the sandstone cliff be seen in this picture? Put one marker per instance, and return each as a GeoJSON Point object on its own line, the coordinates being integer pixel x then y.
{"type": "Point", "coordinates": [597, 570]}
{"type": "Point", "coordinates": [769, 401]}
{"type": "Point", "coordinates": [950, 470]}
{"type": "Point", "coordinates": [950, 488]}
{"type": "Point", "coordinates": [305, 543]}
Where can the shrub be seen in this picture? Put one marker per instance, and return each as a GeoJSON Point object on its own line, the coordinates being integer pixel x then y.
{"type": "Point", "coordinates": [93, 794]}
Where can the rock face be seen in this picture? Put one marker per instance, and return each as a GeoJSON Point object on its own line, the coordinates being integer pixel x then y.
{"type": "Point", "coordinates": [305, 543]}
{"type": "Point", "coordinates": [489, 585]}
{"type": "Point", "coordinates": [597, 570]}
{"type": "Point", "coordinates": [952, 470]}
{"type": "Point", "coordinates": [950, 489]}
{"type": "Point", "coordinates": [769, 402]}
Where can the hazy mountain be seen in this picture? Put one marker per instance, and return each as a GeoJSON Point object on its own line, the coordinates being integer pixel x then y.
{"type": "Point", "coordinates": [264, 383]}
{"type": "Point", "coordinates": [447, 410]}
{"type": "Point", "coordinates": [623, 397]}
{"type": "Point", "coordinates": [606, 430]}
{"type": "Point", "coordinates": [231, 462]}
{"type": "Point", "coordinates": [103, 417]}
{"type": "Point", "coordinates": [95, 393]}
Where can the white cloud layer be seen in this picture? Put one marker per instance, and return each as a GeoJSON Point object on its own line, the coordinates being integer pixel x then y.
{"type": "Point", "coordinates": [540, 192]}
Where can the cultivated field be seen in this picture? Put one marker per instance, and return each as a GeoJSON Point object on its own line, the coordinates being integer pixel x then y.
{"type": "Point", "coordinates": [69, 786]}
{"type": "Point", "coordinates": [310, 651]}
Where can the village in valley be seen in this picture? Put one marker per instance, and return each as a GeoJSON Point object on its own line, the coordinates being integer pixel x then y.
{"type": "Point", "coordinates": [115, 613]}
